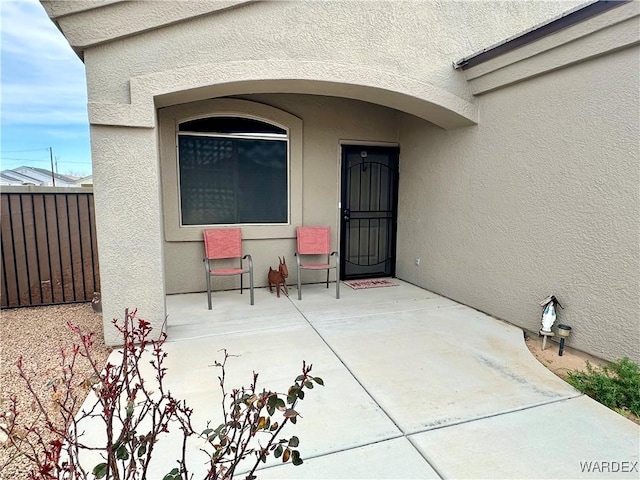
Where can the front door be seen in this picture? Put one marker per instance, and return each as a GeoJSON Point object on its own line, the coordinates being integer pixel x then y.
{"type": "Point", "coordinates": [369, 207]}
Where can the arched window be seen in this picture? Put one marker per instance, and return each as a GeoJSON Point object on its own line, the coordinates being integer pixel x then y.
{"type": "Point", "coordinates": [233, 170]}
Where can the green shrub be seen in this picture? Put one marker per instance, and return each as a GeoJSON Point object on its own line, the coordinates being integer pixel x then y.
{"type": "Point", "coordinates": [616, 385]}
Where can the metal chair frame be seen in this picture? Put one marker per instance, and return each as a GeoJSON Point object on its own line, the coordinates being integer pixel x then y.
{"type": "Point", "coordinates": [221, 243]}
{"type": "Point", "coordinates": [316, 241]}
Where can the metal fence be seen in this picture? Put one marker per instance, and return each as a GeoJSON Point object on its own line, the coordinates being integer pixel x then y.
{"type": "Point", "coordinates": [49, 250]}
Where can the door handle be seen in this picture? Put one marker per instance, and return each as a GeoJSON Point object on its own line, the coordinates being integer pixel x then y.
{"type": "Point", "coordinates": [347, 215]}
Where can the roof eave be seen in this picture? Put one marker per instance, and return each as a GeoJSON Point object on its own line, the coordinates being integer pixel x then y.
{"type": "Point", "coordinates": [567, 19]}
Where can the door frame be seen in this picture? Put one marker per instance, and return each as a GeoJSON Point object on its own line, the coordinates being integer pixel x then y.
{"type": "Point", "coordinates": [342, 186]}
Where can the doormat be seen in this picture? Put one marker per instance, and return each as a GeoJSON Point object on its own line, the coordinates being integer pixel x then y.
{"type": "Point", "coordinates": [360, 284]}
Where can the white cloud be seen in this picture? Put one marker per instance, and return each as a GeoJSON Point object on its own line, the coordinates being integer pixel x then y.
{"type": "Point", "coordinates": [26, 29]}
{"type": "Point", "coordinates": [43, 80]}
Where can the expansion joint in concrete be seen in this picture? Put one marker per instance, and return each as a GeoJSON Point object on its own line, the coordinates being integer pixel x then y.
{"type": "Point", "coordinates": [402, 433]}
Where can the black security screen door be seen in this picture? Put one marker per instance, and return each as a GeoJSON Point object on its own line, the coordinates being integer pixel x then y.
{"type": "Point", "coordinates": [369, 211]}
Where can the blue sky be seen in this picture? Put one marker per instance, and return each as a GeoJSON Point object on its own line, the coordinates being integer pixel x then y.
{"type": "Point", "coordinates": [43, 93]}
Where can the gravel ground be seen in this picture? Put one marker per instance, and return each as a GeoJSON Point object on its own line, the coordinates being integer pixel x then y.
{"type": "Point", "coordinates": [38, 334]}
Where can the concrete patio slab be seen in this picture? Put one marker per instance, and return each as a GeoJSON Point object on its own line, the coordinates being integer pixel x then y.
{"type": "Point", "coordinates": [277, 354]}
{"type": "Point", "coordinates": [574, 438]}
{"type": "Point", "coordinates": [455, 359]}
{"type": "Point", "coordinates": [379, 305]}
{"type": "Point", "coordinates": [379, 460]}
{"type": "Point", "coordinates": [416, 386]}
{"type": "Point", "coordinates": [188, 316]}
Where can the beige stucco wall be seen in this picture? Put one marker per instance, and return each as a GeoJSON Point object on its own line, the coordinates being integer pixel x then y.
{"type": "Point", "coordinates": [462, 190]}
{"type": "Point", "coordinates": [542, 197]}
{"type": "Point", "coordinates": [302, 47]}
{"type": "Point", "coordinates": [410, 39]}
{"type": "Point", "coordinates": [128, 224]}
{"type": "Point", "coordinates": [327, 122]}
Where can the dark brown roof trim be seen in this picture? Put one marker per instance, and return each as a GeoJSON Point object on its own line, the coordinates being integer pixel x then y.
{"type": "Point", "coordinates": [566, 20]}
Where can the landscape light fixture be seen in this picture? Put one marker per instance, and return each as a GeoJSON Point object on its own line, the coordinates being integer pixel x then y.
{"type": "Point", "coordinates": [564, 331]}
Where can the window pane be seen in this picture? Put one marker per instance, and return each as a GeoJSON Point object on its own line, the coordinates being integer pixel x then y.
{"type": "Point", "coordinates": [230, 125]}
{"type": "Point", "coordinates": [262, 196]}
{"type": "Point", "coordinates": [229, 180]}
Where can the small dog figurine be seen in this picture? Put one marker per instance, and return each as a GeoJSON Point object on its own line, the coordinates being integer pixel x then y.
{"type": "Point", "coordinates": [278, 277]}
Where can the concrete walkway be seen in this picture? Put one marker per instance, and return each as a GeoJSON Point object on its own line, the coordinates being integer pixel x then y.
{"type": "Point", "coordinates": [416, 386]}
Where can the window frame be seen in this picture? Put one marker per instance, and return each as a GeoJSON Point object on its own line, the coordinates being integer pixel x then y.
{"type": "Point", "coordinates": [252, 136]}
{"type": "Point", "coordinates": [169, 119]}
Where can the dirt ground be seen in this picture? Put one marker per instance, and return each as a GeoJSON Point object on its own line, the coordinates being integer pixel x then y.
{"type": "Point", "coordinates": [571, 359]}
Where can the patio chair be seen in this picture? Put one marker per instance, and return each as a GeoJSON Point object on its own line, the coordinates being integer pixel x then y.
{"type": "Point", "coordinates": [316, 241]}
{"type": "Point", "coordinates": [220, 243]}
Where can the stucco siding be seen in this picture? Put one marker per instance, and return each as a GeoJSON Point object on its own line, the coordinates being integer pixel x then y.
{"type": "Point", "coordinates": [542, 197]}
{"type": "Point", "coordinates": [410, 39]}
{"type": "Point", "coordinates": [128, 224]}
{"type": "Point", "coordinates": [518, 178]}
{"type": "Point", "coordinates": [326, 122]}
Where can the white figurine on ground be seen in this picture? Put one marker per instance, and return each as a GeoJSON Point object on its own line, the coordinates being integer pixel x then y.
{"type": "Point", "coordinates": [549, 312]}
